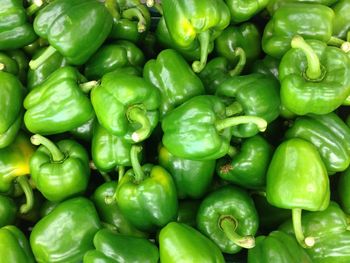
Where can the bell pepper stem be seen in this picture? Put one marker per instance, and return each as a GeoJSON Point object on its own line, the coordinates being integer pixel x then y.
{"type": "Point", "coordinates": [136, 13]}
{"type": "Point", "coordinates": [121, 172]}
{"type": "Point", "coordinates": [56, 154]}
{"type": "Point", "coordinates": [233, 109]}
{"type": "Point", "coordinates": [138, 172]}
{"type": "Point", "coordinates": [242, 59]}
{"type": "Point", "coordinates": [236, 120]}
{"type": "Point", "coordinates": [34, 64]}
{"type": "Point", "coordinates": [313, 71]}
{"type": "Point", "coordinates": [88, 86]}
{"type": "Point", "coordinates": [335, 41]}
{"type": "Point", "coordinates": [345, 47]}
{"type": "Point", "coordinates": [298, 230]}
{"type": "Point", "coordinates": [204, 39]}
{"type": "Point", "coordinates": [150, 3]}
{"type": "Point", "coordinates": [34, 7]}
{"type": "Point", "coordinates": [28, 192]}
{"type": "Point", "coordinates": [229, 225]}
{"type": "Point", "coordinates": [112, 8]}
{"type": "Point", "coordinates": [2, 66]}
{"type": "Point", "coordinates": [138, 115]}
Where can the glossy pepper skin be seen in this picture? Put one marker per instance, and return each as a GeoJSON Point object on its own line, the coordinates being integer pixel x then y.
{"type": "Point", "coordinates": [330, 135]}
{"type": "Point", "coordinates": [254, 95]}
{"type": "Point", "coordinates": [174, 78]}
{"type": "Point", "coordinates": [133, 106]}
{"type": "Point", "coordinates": [311, 21]}
{"type": "Point", "coordinates": [243, 10]}
{"type": "Point", "coordinates": [200, 130]}
{"type": "Point", "coordinates": [229, 218]}
{"type": "Point", "coordinates": [277, 247]}
{"type": "Point", "coordinates": [192, 178]}
{"type": "Point", "coordinates": [297, 179]}
{"type": "Point", "coordinates": [273, 5]}
{"type": "Point", "coordinates": [14, 245]}
{"type": "Point", "coordinates": [113, 247]}
{"type": "Point", "coordinates": [67, 233]}
{"type": "Point", "coordinates": [8, 64]}
{"type": "Point", "coordinates": [8, 211]}
{"type": "Point", "coordinates": [181, 243]}
{"type": "Point", "coordinates": [74, 28]}
{"type": "Point", "coordinates": [195, 20]}
{"type": "Point", "coordinates": [248, 165]}
{"type": "Point", "coordinates": [58, 104]}
{"type": "Point", "coordinates": [119, 54]}
{"type": "Point", "coordinates": [341, 24]}
{"type": "Point", "coordinates": [330, 229]}
{"type": "Point", "coordinates": [314, 77]}
{"type": "Point", "coordinates": [267, 66]}
{"type": "Point", "coordinates": [59, 171]}
{"type": "Point", "coordinates": [15, 29]}
{"type": "Point", "coordinates": [147, 195]}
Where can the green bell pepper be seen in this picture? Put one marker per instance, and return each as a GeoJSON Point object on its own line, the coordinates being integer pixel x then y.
{"type": "Point", "coordinates": [229, 218]}
{"type": "Point", "coordinates": [59, 171]}
{"type": "Point", "coordinates": [22, 61]}
{"type": "Point", "coordinates": [254, 95]}
{"type": "Point", "coordinates": [114, 56]}
{"type": "Point", "coordinates": [314, 77]}
{"type": "Point", "coordinates": [8, 64]}
{"type": "Point", "coordinates": [133, 106]}
{"type": "Point", "coordinates": [243, 10]}
{"type": "Point", "coordinates": [84, 132]}
{"type": "Point", "coordinates": [113, 248]}
{"type": "Point", "coordinates": [58, 104]}
{"type": "Point", "coordinates": [192, 178]}
{"type": "Point", "coordinates": [343, 191]}
{"type": "Point", "coordinates": [341, 24]}
{"type": "Point", "coordinates": [247, 166]}
{"type": "Point", "coordinates": [329, 134]}
{"type": "Point", "coordinates": [311, 21]}
{"type": "Point", "coordinates": [267, 66]}
{"type": "Point", "coordinates": [14, 246]}
{"type": "Point", "coordinates": [181, 243]}
{"type": "Point", "coordinates": [195, 20]}
{"type": "Point", "coordinates": [67, 233]}
{"type": "Point", "coordinates": [330, 230]}
{"type": "Point", "coordinates": [297, 179]}
{"type": "Point", "coordinates": [174, 78]}
{"type": "Point", "coordinates": [147, 195]}
{"type": "Point", "coordinates": [277, 247]}
{"type": "Point", "coordinates": [64, 24]}
{"type": "Point", "coordinates": [273, 5]}
{"type": "Point", "coordinates": [15, 29]}
{"type": "Point", "coordinates": [8, 211]}
{"type": "Point", "coordinates": [199, 129]}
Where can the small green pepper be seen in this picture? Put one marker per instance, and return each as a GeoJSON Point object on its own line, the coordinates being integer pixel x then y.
{"type": "Point", "coordinates": [243, 10]}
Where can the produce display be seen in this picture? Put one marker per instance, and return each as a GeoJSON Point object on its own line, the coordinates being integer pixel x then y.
{"type": "Point", "coordinates": [174, 131]}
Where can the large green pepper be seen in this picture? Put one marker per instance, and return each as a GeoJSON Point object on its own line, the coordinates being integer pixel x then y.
{"type": "Point", "coordinates": [15, 29]}
{"type": "Point", "coordinates": [254, 95]}
{"type": "Point", "coordinates": [8, 211]}
{"type": "Point", "coordinates": [192, 178]}
{"type": "Point", "coordinates": [14, 246]}
{"type": "Point", "coordinates": [133, 103]}
{"type": "Point", "coordinates": [175, 80]}
{"type": "Point", "coordinates": [229, 218]}
{"type": "Point", "coordinates": [243, 10]}
{"type": "Point", "coordinates": [329, 134]}
{"type": "Point", "coordinates": [58, 104]}
{"type": "Point", "coordinates": [312, 21]}
{"type": "Point", "coordinates": [341, 24]}
{"type": "Point", "coordinates": [67, 233]}
{"type": "Point", "coordinates": [119, 54]}
{"type": "Point", "coordinates": [59, 171]}
{"type": "Point", "coordinates": [247, 166]}
{"type": "Point", "coordinates": [195, 20]}
{"type": "Point", "coordinates": [113, 248]}
{"type": "Point", "coordinates": [277, 247]}
{"type": "Point", "coordinates": [147, 195]}
{"type": "Point", "coordinates": [330, 231]}
{"type": "Point", "coordinates": [64, 24]}
{"type": "Point", "coordinates": [297, 179]}
{"type": "Point", "coordinates": [273, 5]}
{"type": "Point", "coordinates": [314, 77]}
{"type": "Point", "coordinates": [182, 243]}
{"type": "Point", "coordinates": [199, 129]}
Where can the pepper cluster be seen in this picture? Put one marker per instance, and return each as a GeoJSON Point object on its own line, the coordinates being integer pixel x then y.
{"type": "Point", "coordinates": [174, 131]}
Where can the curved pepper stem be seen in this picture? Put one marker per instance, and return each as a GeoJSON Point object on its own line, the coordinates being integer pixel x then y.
{"type": "Point", "coordinates": [204, 39]}
{"type": "Point", "coordinates": [56, 154]}
{"type": "Point", "coordinates": [298, 230]}
{"type": "Point", "coordinates": [237, 120]}
{"type": "Point", "coordinates": [242, 59]}
{"type": "Point", "coordinates": [136, 13]}
{"type": "Point", "coordinates": [34, 64]}
{"type": "Point", "coordinates": [313, 71]}
{"type": "Point", "coordinates": [229, 225]}
{"type": "Point", "coordinates": [28, 192]}
{"type": "Point", "coordinates": [233, 109]}
{"type": "Point", "coordinates": [138, 172]}
{"type": "Point", "coordinates": [138, 115]}
{"type": "Point", "coordinates": [34, 7]}
{"type": "Point", "coordinates": [88, 86]}
{"type": "Point", "coordinates": [334, 41]}
{"type": "Point", "coordinates": [112, 8]}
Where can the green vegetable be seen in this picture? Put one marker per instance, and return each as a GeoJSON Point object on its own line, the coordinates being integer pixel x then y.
{"type": "Point", "coordinates": [243, 10]}
{"type": "Point", "coordinates": [8, 211]}
{"type": "Point", "coordinates": [341, 24]}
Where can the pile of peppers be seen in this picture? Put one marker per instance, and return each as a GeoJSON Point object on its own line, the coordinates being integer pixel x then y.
{"type": "Point", "coordinates": [174, 131]}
